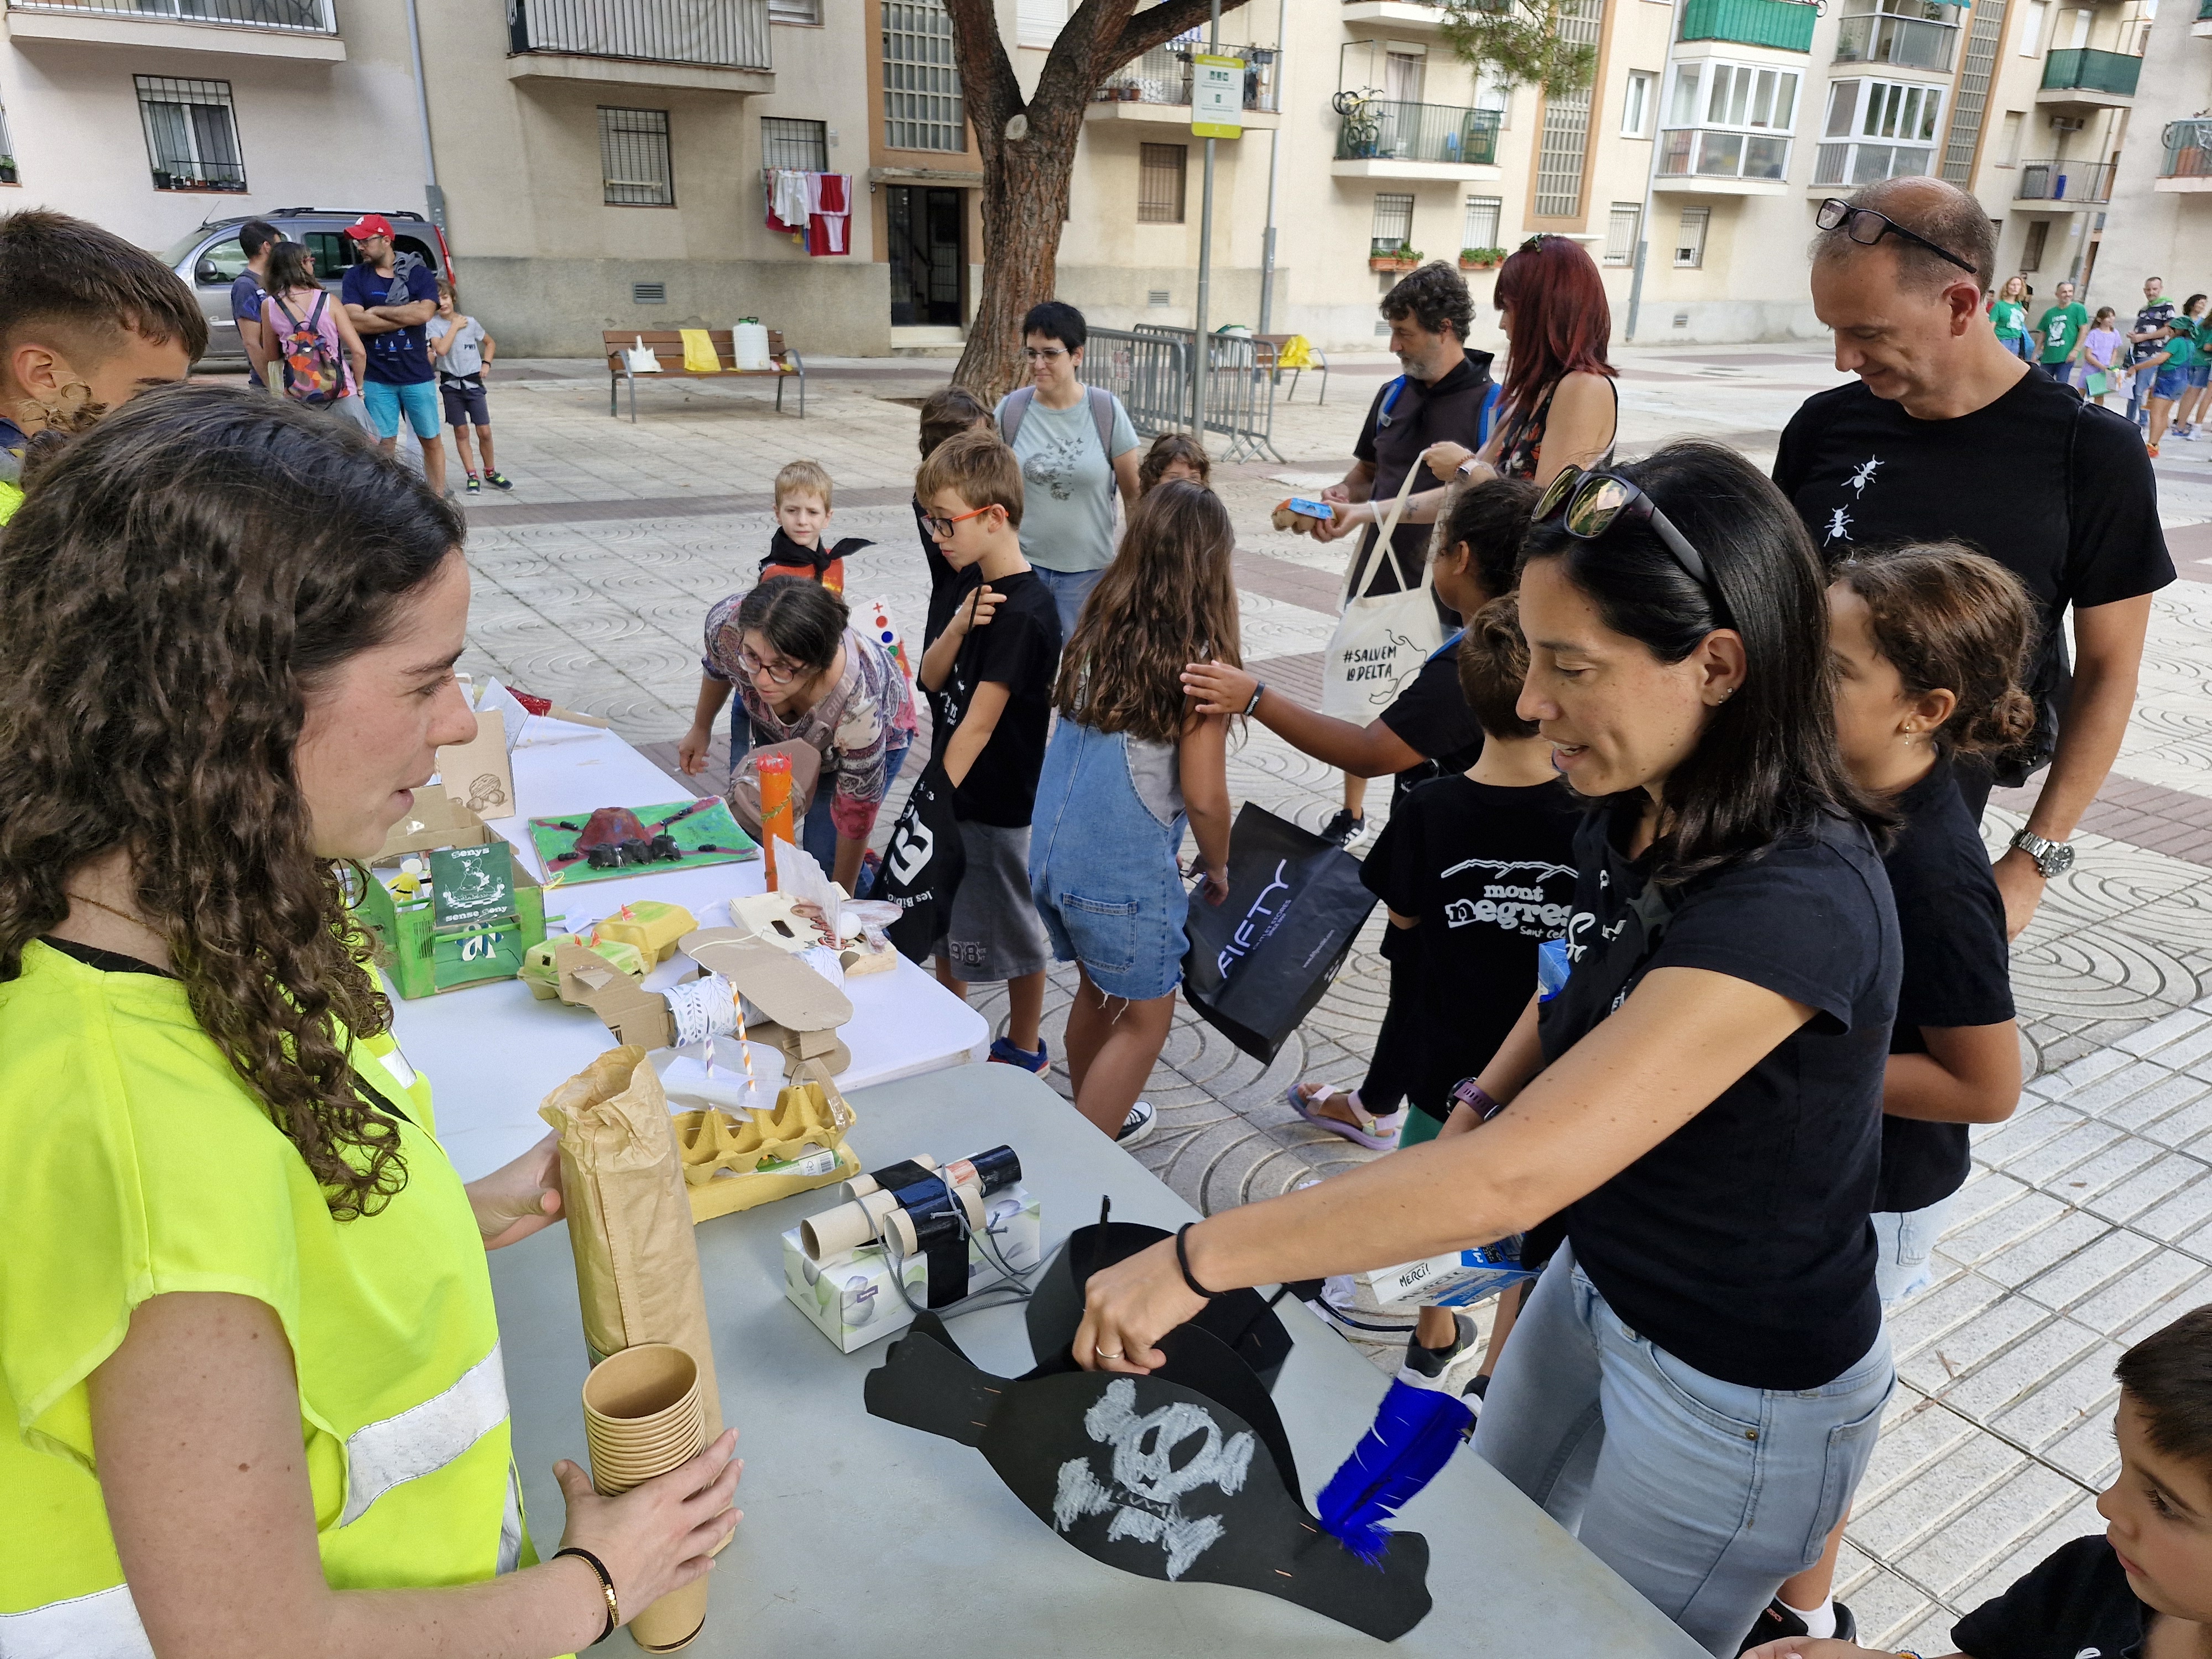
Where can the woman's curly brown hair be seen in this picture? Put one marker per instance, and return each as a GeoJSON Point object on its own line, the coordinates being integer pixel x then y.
{"type": "Point", "coordinates": [179, 580]}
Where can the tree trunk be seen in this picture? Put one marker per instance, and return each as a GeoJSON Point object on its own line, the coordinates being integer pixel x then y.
{"type": "Point", "coordinates": [1028, 152]}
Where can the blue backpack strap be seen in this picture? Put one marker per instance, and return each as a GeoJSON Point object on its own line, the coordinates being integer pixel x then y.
{"type": "Point", "coordinates": [1488, 417]}
{"type": "Point", "coordinates": [1389, 397]}
{"type": "Point", "coordinates": [1451, 644]}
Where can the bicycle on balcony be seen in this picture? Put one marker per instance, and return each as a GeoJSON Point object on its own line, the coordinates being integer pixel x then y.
{"type": "Point", "coordinates": [1361, 136]}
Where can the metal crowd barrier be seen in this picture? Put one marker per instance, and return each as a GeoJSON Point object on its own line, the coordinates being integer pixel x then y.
{"type": "Point", "coordinates": [1151, 369]}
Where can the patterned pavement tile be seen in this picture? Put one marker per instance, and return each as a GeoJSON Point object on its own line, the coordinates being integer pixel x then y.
{"type": "Point", "coordinates": [2089, 1220]}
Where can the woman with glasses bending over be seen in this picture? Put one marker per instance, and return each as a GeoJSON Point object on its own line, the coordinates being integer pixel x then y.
{"type": "Point", "coordinates": [1078, 451]}
{"type": "Point", "coordinates": [1561, 407]}
{"type": "Point", "coordinates": [803, 674]}
{"type": "Point", "coordinates": [1697, 1380]}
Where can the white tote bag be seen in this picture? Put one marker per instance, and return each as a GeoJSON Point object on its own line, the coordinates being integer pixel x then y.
{"type": "Point", "coordinates": [1382, 640]}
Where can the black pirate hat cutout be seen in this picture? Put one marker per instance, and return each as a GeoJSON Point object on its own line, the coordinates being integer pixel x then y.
{"type": "Point", "coordinates": [1185, 1474]}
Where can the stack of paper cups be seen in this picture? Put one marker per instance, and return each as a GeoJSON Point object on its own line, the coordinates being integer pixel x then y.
{"type": "Point", "coordinates": [642, 1417]}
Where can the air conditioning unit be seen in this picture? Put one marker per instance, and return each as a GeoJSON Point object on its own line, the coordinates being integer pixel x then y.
{"type": "Point", "coordinates": [2066, 123]}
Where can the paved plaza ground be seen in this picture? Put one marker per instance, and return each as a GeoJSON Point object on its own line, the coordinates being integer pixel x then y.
{"type": "Point", "coordinates": [2088, 1221]}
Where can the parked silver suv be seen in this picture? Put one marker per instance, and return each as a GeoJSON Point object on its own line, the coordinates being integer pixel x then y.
{"type": "Point", "coordinates": [210, 260]}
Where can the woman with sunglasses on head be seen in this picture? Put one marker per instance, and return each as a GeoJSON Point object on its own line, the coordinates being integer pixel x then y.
{"type": "Point", "coordinates": [803, 674]}
{"type": "Point", "coordinates": [1561, 407]}
{"type": "Point", "coordinates": [1697, 1380]}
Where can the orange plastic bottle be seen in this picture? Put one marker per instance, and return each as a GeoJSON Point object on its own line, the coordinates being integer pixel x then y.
{"type": "Point", "coordinates": [776, 809]}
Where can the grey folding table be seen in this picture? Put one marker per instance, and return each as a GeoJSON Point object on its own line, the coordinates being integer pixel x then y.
{"type": "Point", "coordinates": [862, 1537]}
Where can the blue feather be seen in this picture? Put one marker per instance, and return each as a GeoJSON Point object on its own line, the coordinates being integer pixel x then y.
{"type": "Point", "coordinates": [1416, 1430]}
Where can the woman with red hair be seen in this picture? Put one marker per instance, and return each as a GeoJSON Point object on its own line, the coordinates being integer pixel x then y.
{"type": "Point", "coordinates": [1561, 409]}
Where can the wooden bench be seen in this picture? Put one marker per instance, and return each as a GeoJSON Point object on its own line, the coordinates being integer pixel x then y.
{"type": "Point", "coordinates": [666, 345]}
{"type": "Point", "coordinates": [1267, 348]}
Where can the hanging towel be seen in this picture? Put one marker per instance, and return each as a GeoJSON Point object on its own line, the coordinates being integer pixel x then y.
{"type": "Point", "coordinates": [700, 356]}
{"type": "Point", "coordinates": [829, 213]}
{"type": "Point", "coordinates": [790, 200]}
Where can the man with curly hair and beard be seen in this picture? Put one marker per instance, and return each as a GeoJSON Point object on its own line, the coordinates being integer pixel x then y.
{"type": "Point", "coordinates": [87, 322]}
{"type": "Point", "coordinates": [249, 1360]}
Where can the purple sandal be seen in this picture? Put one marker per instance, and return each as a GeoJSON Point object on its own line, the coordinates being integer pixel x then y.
{"type": "Point", "coordinates": [1377, 1134]}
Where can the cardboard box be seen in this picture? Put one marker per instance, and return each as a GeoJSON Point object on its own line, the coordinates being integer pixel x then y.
{"type": "Point", "coordinates": [424, 958]}
{"type": "Point", "coordinates": [1458, 1279]}
{"type": "Point", "coordinates": [854, 1302]}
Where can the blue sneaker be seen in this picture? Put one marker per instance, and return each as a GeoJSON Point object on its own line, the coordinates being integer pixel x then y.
{"type": "Point", "coordinates": [1003, 1053]}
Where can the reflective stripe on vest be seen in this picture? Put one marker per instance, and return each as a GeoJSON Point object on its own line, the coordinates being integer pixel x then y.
{"type": "Point", "coordinates": [103, 1626]}
{"type": "Point", "coordinates": [424, 1438]}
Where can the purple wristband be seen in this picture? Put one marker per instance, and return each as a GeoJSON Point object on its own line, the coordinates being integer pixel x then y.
{"type": "Point", "coordinates": [1469, 1092]}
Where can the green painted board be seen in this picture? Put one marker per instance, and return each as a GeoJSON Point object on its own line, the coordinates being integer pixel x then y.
{"type": "Point", "coordinates": [698, 825]}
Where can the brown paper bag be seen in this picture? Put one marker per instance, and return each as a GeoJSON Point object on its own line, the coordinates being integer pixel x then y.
{"type": "Point", "coordinates": [630, 1217]}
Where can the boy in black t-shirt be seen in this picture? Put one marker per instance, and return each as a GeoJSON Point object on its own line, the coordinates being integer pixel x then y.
{"type": "Point", "coordinates": [2143, 1590]}
{"type": "Point", "coordinates": [988, 677]}
{"type": "Point", "coordinates": [1477, 870]}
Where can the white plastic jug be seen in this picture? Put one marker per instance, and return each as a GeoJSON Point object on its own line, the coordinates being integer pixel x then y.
{"type": "Point", "coordinates": [748, 344]}
{"type": "Point", "coordinates": [641, 357]}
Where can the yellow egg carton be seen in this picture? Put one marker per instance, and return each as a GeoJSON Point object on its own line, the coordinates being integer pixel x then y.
{"type": "Point", "coordinates": [735, 1161]}
{"type": "Point", "coordinates": [543, 979]}
{"type": "Point", "coordinates": [652, 925]}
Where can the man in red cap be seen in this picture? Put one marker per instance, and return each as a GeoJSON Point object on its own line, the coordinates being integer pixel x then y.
{"type": "Point", "coordinates": [389, 307]}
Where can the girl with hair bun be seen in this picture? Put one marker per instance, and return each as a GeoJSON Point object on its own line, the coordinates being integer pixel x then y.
{"type": "Point", "coordinates": [1929, 643]}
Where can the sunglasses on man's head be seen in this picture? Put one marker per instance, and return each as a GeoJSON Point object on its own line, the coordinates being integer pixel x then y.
{"type": "Point", "coordinates": [1586, 505]}
{"type": "Point", "coordinates": [1865, 226]}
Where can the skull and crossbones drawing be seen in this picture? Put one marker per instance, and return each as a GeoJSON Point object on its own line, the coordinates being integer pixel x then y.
{"type": "Point", "coordinates": [1149, 1484]}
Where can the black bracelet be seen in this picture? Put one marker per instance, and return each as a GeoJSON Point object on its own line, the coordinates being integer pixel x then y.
{"type": "Point", "coordinates": [606, 1587]}
{"type": "Point", "coordinates": [1182, 1261]}
{"type": "Point", "coordinates": [1258, 690]}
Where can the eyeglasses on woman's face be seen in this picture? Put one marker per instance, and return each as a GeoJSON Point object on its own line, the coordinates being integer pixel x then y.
{"type": "Point", "coordinates": [776, 674]}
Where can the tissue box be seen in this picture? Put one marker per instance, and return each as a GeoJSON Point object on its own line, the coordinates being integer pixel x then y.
{"type": "Point", "coordinates": [854, 1302]}
{"type": "Point", "coordinates": [1458, 1279]}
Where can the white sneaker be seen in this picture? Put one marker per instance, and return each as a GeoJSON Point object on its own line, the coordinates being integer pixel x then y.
{"type": "Point", "coordinates": [1138, 1124]}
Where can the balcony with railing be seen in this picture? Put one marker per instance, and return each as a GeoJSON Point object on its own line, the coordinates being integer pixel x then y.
{"type": "Point", "coordinates": [1787, 24]}
{"type": "Point", "coordinates": [253, 28]}
{"type": "Point", "coordinates": [1384, 139]}
{"type": "Point", "coordinates": [1906, 42]}
{"type": "Point", "coordinates": [2088, 77]}
{"type": "Point", "coordinates": [1863, 163]}
{"type": "Point", "coordinates": [708, 45]}
{"type": "Point", "coordinates": [1702, 160]}
{"type": "Point", "coordinates": [2084, 182]}
{"type": "Point", "coordinates": [2188, 165]}
{"type": "Point", "coordinates": [1157, 86]}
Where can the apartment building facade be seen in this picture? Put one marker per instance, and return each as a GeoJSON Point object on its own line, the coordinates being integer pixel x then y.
{"type": "Point", "coordinates": [603, 163]}
{"type": "Point", "coordinates": [2160, 220]}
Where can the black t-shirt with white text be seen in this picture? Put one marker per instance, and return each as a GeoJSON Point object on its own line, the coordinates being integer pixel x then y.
{"type": "Point", "coordinates": [1019, 648]}
{"type": "Point", "coordinates": [1431, 717]}
{"type": "Point", "coordinates": [1950, 919]}
{"type": "Point", "coordinates": [1489, 873]}
{"type": "Point", "coordinates": [2057, 490]}
{"type": "Point", "coordinates": [1420, 414]}
{"type": "Point", "coordinates": [2076, 1605]}
{"type": "Point", "coordinates": [1741, 1243]}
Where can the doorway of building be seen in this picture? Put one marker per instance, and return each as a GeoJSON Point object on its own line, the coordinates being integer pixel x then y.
{"type": "Point", "coordinates": [927, 252]}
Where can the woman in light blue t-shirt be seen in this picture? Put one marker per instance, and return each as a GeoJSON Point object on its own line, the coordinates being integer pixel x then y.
{"type": "Point", "coordinates": [1069, 478]}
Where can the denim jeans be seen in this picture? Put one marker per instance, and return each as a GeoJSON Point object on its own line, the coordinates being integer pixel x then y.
{"type": "Point", "coordinates": [1068, 589]}
{"type": "Point", "coordinates": [1102, 868]}
{"type": "Point", "coordinates": [1906, 1243]}
{"type": "Point", "coordinates": [1703, 1495]}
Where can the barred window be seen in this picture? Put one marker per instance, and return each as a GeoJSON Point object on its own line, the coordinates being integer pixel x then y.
{"type": "Point", "coordinates": [191, 134]}
{"type": "Point", "coordinates": [1481, 229]}
{"type": "Point", "coordinates": [1162, 172]}
{"type": "Point", "coordinates": [922, 108]}
{"type": "Point", "coordinates": [634, 158]}
{"type": "Point", "coordinates": [1565, 142]}
{"type": "Point", "coordinates": [1690, 239]}
{"type": "Point", "coordinates": [1620, 230]}
{"type": "Point", "coordinates": [1393, 223]}
{"type": "Point", "coordinates": [801, 145]}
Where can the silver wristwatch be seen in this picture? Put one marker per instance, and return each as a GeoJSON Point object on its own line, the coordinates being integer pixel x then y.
{"type": "Point", "coordinates": [2052, 857]}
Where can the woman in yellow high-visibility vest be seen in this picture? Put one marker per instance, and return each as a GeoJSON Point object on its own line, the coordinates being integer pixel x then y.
{"type": "Point", "coordinates": [251, 1398]}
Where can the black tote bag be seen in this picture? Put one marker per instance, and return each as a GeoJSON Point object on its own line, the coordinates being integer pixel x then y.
{"type": "Point", "coordinates": [923, 862]}
{"type": "Point", "coordinates": [1259, 960]}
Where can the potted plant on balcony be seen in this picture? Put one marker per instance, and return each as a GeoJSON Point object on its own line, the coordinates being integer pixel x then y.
{"type": "Point", "coordinates": [7, 169]}
{"type": "Point", "coordinates": [1406, 256]}
{"type": "Point", "coordinates": [1481, 258]}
